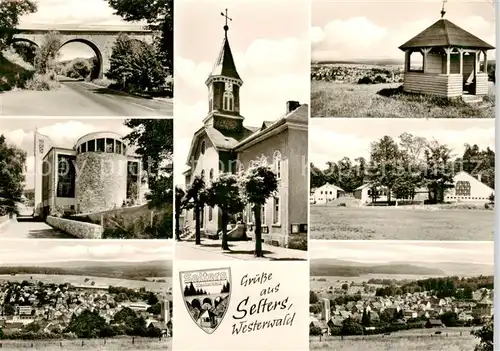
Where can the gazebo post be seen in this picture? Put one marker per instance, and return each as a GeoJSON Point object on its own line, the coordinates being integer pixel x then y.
{"type": "Point", "coordinates": [461, 52]}
{"type": "Point", "coordinates": [485, 61]}
{"type": "Point", "coordinates": [448, 54]}
{"type": "Point", "coordinates": [425, 51]}
{"type": "Point", "coordinates": [407, 59]}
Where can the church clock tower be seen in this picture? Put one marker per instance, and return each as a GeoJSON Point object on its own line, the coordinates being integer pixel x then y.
{"type": "Point", "coordinates": [224, 84]}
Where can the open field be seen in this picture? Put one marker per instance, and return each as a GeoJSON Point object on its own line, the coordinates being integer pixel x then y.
{"type": "Point", "coordinates": [332, 99]}
{"type": "Point", "coordinates": [451, 339]}
{"type": "Point", "coordinates": [80, 280]}
{"type": "Point", "coordinates": [388, 223]}
{"type": "Point", "coordinates": [117, 344]}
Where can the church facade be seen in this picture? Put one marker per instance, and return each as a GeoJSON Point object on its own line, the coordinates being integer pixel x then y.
{"type": "Point", "coordinates": [99, 173]}
{"type": "Point", "coordinates": [225, 144]}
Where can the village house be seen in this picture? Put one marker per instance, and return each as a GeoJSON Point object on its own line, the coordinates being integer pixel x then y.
{"type": "Point", "coordinates": [325, 194]}
{"type": "Point", "coordinates": [225, 144]}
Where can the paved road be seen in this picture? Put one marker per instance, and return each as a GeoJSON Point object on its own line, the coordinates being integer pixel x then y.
{"type": "Point", "coordinates": [76, 98]}
{"type": "Point", "coordinates": [31, 230]}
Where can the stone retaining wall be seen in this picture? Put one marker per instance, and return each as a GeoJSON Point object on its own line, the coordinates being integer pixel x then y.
{"type": "Point", "coordinates": [80, 230]}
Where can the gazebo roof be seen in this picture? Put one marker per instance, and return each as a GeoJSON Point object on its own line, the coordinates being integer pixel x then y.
{"type": "Point", "coordinates": [444, 33]}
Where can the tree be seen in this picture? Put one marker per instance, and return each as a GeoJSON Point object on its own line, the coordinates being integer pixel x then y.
{"type": "Point", "coordinates": [314, 330]}
{"type": "Point", "coordinates": [26, 50]}
{"type": "Point", "coordinates": [438, 175]}
{"type": "Point", "coordinates": [154, 141]}
{"type": "Point", "coordinates": [179, 197]}
{"type": "Point", "coordinates": [384, 159]}
{"type": "Point", "coordinates": [485, 335]}
{"type": "Point", "coordinates": [195, 199]}
{"type": "Point", "coordinates": [12, 165]}
{"type": "Point", "coordinates": [47, 53]}
{"type": "Point", "coordinates": [224, 192]}
{"type": "Point", "coordinates": [313, 298]}
{"type": "Point", "coordinates": [345, 286]}
{"type": "Point", "coordinates": [87, 325]}
{"type": "Point", "coordinates": [350, 327]}
{"type": "Point", "coordinates": [258, 185]}
{"type": "Point", "coordinates": [10, 13]}
{"type": "Point", "coordinates": [120, 61]}
{"type": "Point", "coordinates": [159, 14]}
{"type": "Point", "coordinates": [134, 64]}
{"type": "Point", "coordinates": [366, 318]}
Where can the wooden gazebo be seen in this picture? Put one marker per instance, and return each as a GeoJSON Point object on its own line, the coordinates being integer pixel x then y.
{"type": "Point", "coordinates": [446, 62]}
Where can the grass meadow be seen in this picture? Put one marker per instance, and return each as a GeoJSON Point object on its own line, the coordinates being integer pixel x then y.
{"type": "Point", "coordinates": [451, 339]}
{"type": "Point", "coordinates": [115, 344]}
{"type": "Point", "coordinates": [396, 223]}
{"type": "Point", "coordinates": [333, 99]}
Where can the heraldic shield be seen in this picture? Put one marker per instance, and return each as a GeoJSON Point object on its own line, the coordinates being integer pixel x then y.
{"type": "Point", "coordinates": [206, 295]}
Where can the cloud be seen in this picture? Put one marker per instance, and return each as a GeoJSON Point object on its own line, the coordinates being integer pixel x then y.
{"type": "Point", "coordinates": [391, 251]}
{"type": "Point", "coordinates": [274, 71]}
{"type": "Point", "coordinates": [370, 31]}
{"type": "Point", "coordinates": [78, 12]}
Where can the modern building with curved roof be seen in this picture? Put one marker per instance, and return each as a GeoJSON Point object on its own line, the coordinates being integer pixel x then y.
{"type": "Point", "coordinates": [99, 173]}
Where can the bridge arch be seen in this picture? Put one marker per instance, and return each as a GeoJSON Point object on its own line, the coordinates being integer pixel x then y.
{"type": "Point", "coordinates": [208, 300]}
{"type": "Point", "coordinates": [97, 70]}
{"type": "Point", "coordinates": [196, 303]}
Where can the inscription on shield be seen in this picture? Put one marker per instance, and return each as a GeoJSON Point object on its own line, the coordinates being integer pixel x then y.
{"type": "Point", "coordinates": [206, 296]}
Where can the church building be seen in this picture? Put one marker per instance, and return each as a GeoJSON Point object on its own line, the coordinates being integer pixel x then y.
{"type": "Point", "coordinates": [225, 144]}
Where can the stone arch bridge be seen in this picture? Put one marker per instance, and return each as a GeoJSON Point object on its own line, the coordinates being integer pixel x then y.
{"type": "Point", "coordinates": [99, 38]}
{"type": "Point", "coordinates": [199, 300]}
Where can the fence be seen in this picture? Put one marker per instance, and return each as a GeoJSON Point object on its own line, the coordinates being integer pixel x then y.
{"type": "Point", "coordinates": [119, 343]}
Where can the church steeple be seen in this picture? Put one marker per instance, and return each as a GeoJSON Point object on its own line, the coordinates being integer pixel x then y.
{"type": "Point", "coordinates": [224, 82]}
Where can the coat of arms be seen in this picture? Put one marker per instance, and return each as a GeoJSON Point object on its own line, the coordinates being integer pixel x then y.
{"type": "Point", "coordinates": [206, 295]}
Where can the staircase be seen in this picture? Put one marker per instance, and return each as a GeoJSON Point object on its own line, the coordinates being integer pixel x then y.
{"type": "Point", "coordinates": [472, 99]}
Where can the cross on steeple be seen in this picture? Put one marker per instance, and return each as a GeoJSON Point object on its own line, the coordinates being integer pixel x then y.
{"type": "Point", "coordinates": [443, 12]}
{"type": "Point", "coordinates": [226, 27]}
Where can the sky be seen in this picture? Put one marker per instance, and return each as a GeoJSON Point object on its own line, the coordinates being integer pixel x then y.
{"type": "Point", "coordinates": [270, 45]}
{"type": "Point", "coordinates": [38, 251]}
{"type": "Point", "coordinates": [342, 132]}
{"type": "Point", "coordinates": [477, 252]}
{"type": "Point", "coordinates": [375, 29]}
{"type": "Point", "coordinates": [63, 133]}
{"type": "Point", "coordinates": [53, 13]}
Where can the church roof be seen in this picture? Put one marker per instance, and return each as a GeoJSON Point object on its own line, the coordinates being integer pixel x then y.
{"type": "Point", "coordinates": [225, 66]}
{"type": "Point", "coordinates": [298, 116]}
{"type": "Point", "coordinates": [444, 33]}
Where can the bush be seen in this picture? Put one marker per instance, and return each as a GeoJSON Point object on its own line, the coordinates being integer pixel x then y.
{"type": "Point", "coordinates": [299, 244]}
{"type": "Point", "coordinates": [365, 80]}
{"type": "Point", "coordinates": [42, 82]}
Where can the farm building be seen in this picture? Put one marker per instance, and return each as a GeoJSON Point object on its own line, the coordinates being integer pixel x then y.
{"type": "Point", "coordinates": [326, 193]}
{"type": "Point", "coordinates": [447, 61]}
{"type": "Point", "coordinates": [434, 323]}
{"type": "Point", "coordinates": [468, 189]}
{"type": "Point", "coordinates": [367, 194]}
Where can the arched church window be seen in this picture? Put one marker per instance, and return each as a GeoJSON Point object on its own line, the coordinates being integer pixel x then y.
{"type": "Point", "coordinates": [211, 174]}
{"type": "Point", "coordinates": [203, 147]}
{"type": "Point", "coordinates": [202, 174]}
{"type": "Point", "coordinates": [277, 163]}
{"type": "Point", "coordinates": [228, 104]}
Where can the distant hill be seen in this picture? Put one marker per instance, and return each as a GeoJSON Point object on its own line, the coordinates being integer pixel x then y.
{"type": "Point", "coordinates": [464, 269]}
{"type": "Point", "coordinates": [377, 62]}
{"type": "Point", "coordinates": [332, 267]}
{"type": "Point", "coordinates": [118, 270]}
